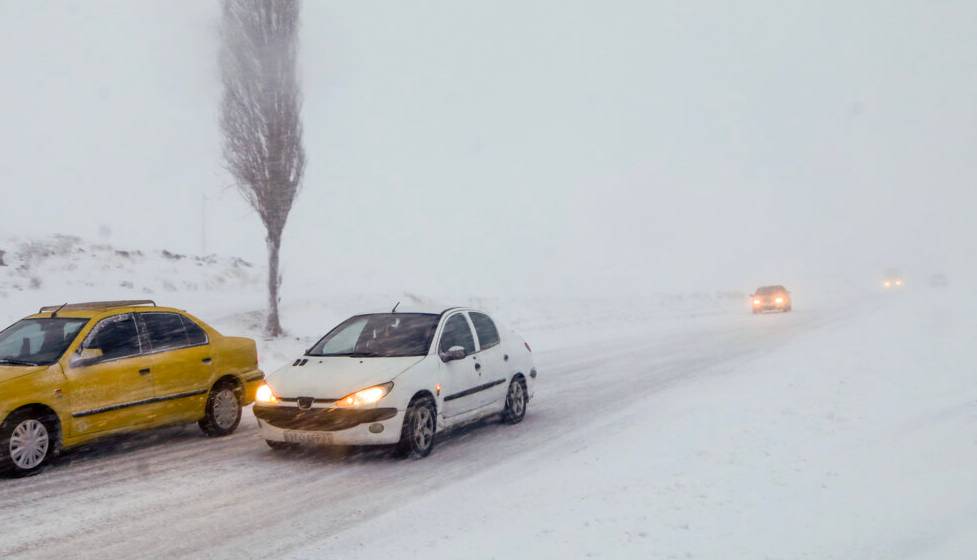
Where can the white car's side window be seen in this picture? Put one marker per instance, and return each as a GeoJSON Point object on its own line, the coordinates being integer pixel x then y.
{"type": "Point", "coordinates": [457, 333]}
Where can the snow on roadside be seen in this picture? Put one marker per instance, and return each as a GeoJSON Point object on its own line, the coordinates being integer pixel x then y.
{"type": "Point", "coordinates": [853, 442]}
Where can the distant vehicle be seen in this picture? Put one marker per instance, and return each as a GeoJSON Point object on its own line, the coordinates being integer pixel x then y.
{"type": "Point", "coordinates": [771, 298]}
{"type": "Point", "coordinates": [939, 281]}
{"type": "Point", "coordinates": [73, 373]}
{"type": "Point", "coordinates": [892, 280]}
{"type": "Point", "coordinates": [397, 379]}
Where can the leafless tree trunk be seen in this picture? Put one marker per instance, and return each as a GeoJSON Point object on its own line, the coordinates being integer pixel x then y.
{"type": "Point", "coordinates": [260, 117]}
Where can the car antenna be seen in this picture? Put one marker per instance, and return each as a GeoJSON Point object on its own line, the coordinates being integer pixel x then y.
{"type": "Point", "coordinates": [394, 310]}
{"type": "Point", "coordinates": [54, 313]}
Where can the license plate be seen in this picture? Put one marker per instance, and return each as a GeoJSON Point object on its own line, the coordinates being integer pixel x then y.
{"type": "Point", "coordinates": [309, 438]}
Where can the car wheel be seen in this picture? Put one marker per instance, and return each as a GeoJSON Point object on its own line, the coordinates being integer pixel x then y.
{"type": "Point", "coordinates": [280, 445]}
{"type": "Point", "coordinates": [223, 411]}
{"type": "Point", "coordinates": [420, 427]}
{"type": "Point", "coordinates": [27, 442]}
{"type": "Point", "coordinates": [515, 402]}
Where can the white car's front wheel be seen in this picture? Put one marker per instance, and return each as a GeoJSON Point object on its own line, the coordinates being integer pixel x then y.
{"type": "Point", "coordinates": [420, 427]}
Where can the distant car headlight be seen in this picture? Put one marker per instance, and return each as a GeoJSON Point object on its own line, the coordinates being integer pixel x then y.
{"type": "Point", "coordinates": [898, 282]}
{"type": "Point", "coordinates": [756, 301]}
{"type": "Point", "coordinates": [266, 394]}
{"type": "Point", "coordinates": [886, 284]}
{"type": "Point", "coordinates": [365, 397]}
{"type": "Point", "coordinates": [779, 301]}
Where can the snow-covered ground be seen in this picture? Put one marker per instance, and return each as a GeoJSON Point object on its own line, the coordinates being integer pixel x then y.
{"type": "Point", "coordinates": [672, 427]}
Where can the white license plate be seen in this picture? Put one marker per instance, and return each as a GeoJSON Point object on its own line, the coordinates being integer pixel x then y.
{"type": "Point", "coordinates": [308, 438]}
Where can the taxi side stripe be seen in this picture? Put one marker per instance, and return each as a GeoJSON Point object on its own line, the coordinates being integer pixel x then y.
{"type": "Point", "coordinates": [152, 400]}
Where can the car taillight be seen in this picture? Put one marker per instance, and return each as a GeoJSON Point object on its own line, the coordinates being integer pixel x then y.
{"type": "Point", "coordinates": [526, 344]}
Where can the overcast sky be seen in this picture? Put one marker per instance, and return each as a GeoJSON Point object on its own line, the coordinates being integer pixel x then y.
{"type": "Point", "coordinates": [519, 146]}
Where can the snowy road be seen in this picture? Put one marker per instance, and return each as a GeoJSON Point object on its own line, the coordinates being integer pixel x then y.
{"type": "Point", "coordinates": [174, 493]}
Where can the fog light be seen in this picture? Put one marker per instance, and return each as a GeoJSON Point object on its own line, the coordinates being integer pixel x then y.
{"type": "Point", "coordinates": [376, 428]}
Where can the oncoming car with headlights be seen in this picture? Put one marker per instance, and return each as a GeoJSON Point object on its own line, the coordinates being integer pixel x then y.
{"type": "Point", "coordinates": [771, 298]}
{"type": "Point", "coordinates": [397, 379]}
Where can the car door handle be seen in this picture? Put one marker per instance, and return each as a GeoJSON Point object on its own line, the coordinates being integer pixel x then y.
{"type": "Point", "coordinates": [144, 371]}
{"type": "Point", "coordinates": [478, 366]}
{"type": "Point", "coordinates": [207, 360]}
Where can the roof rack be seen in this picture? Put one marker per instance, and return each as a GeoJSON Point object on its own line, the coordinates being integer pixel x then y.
{"type": "Point", "coordinates": [97, 305]}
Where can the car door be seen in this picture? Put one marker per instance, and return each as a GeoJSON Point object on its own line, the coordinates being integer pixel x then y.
{"type": "Point", "coordinates": [491, 356]}
{"type": "Point", "coordinates": [109, 379]}
{"type": "Point", "coordinates": [181, 365]}
{"type": "Point", "coordinates": [461, 377]}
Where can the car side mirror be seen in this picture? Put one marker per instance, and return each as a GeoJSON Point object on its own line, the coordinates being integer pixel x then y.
{"type": "Point", "coordinates": [86, 357]}
{"type": "Point", "coordinates": [454, 353]}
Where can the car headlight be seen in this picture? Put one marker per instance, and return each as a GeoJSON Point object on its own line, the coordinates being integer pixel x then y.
{"type": "Point", "coordinates": [779, 300]}
{"type": "Point", "coordinates": [265, 394]}
{"type": "Point", "coordinates": [365, 397]}
{"type": "Point", "coordinates": [756, 301]}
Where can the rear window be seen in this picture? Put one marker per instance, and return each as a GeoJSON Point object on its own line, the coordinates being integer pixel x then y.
{"type": "Point", "coordinates": [488, 335]}
{"type": "Point", "coordinates": [164, 330]}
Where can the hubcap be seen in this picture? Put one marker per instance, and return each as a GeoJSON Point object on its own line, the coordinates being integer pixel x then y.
{"type": "Point", "coordinates": [29, 444]}
{"type": "Point", "coordinates": [517, 399]}
{"type": "Point", "coordinates": [225, 408]}
{"type": "Point", "coordinates": [423, 428]}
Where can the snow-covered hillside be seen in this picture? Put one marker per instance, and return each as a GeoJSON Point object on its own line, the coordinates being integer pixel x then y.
{"type": "Point", "coordinates": [229, 293]}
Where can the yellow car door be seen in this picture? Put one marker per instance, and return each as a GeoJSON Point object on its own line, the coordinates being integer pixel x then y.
{"type": "Point", "coordinates": [109, 378]}
{"type": "Point", "coordinates": [182, 364]}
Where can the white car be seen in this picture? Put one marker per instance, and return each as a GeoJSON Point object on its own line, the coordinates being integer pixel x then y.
{"type": "Point", "coordinates": [397, 379]}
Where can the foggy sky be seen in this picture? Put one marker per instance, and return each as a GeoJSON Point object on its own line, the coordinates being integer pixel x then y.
{"type": "Point", "coordinates": [519, 146]}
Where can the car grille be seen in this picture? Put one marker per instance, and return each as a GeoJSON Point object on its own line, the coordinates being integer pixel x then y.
{"type": "Point", "coordinates": [320, 419]}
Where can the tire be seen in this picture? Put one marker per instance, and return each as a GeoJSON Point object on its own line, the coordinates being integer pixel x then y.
{"type": "Point", "coordinates": [223, 412]}
{"type": "Point", "coordinates": [28, 440]}
{"type": "Point", "coordinates": [280, 445]}
{"type": "Point", "coordinates": [516, 399]}
{"type": "Point", "coordinates": [420, 427]}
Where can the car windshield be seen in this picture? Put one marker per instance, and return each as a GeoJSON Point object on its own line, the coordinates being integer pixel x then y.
{"type": "Point", "coordinates": [37, 341]}
{"type": "Point", "coordinates": [384, 335]}
{"type": "Point", "coordinates": [768, 290]}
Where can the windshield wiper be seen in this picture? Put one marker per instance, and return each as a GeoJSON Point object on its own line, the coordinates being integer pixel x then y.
{"type": "Point", "coordinates": [8, 361]}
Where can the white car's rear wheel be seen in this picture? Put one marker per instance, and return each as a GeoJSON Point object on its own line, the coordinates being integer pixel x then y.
{"type": "Point", "coordinates": [515, 402]}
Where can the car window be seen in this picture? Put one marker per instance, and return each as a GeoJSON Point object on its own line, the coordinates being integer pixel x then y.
{"type": "Point", "coordinates": [164, 331]}
{"type": "Point", "coordinates": [195, 333]}
{"type": "Point", "coordinates": [343, 341]}
{"type": "Point", "coordinates": [115, 336]}
{"type": "Point", "coordinates": [38, 341]}
{"type": "Point", "coordinates": [457, 333]}
{"type": "Point", "coordinates": [488, 335]}
{"type": "Point", "coordinates": [380, 335]}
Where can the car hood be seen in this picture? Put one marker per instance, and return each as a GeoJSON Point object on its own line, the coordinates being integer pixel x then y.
{"type": "Point", "coordinates": [334, 377]}
{"type": "Point", "coordinates": [13, 372]}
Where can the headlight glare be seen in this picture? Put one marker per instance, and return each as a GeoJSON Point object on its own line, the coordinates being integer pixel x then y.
{"type": "Point", "coordinates": [365, 397]}
{"type": "Point", "coordinates": [265, 394]}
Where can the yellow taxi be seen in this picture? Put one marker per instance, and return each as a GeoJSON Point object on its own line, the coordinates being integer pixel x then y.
{"type": "Point", "coordinates": [76, 372]}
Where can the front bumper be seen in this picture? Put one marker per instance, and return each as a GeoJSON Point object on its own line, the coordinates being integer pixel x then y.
{"type": "Point", "coordinates": [330, 426]}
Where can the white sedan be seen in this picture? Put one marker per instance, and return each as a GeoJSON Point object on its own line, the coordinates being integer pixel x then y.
{"type": "Point", "coordinates": [397, 379]}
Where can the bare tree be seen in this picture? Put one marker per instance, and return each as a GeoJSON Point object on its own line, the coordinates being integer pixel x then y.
{"type": "Point", "coordinates": [260, 117]}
